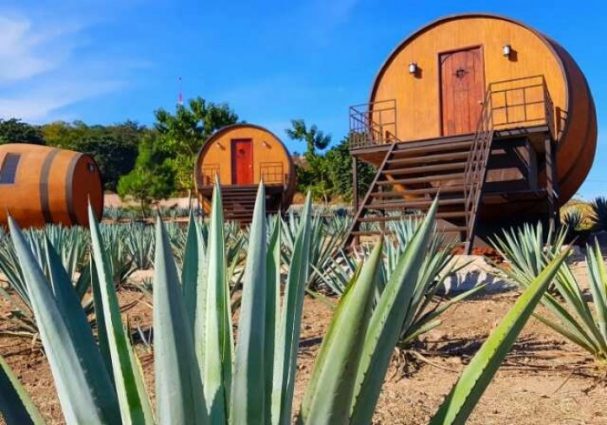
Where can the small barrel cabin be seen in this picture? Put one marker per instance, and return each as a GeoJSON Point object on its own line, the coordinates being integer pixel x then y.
{"type": "Point", "coordinates": [40, 185]}
{"type": "Point", "coordinates": [241, 156]}
{"type": "Point", "coordinates": [489, 112]}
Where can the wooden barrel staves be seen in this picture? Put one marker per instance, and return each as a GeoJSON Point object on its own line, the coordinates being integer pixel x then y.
{"type": "Point", "coordinates": [40, 185]}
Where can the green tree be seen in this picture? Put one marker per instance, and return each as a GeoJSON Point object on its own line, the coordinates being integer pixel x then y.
{"type": "Point", "coordinates": [329, 175]}
{"type": "Point", "coordinates": [312, 172]}
{"type": "Point", "coordinates": [313, 137]}
{"type": "Point", "coordinates": [153, 177]}
{"type": "Point", "coordinates": [14, 130]}
{"type": "Point", "coordinates": [339, 169]}
{"type": "Point", "coordinates": [186, 131]}
{"type": "Point", "coordinates": [114, 147]}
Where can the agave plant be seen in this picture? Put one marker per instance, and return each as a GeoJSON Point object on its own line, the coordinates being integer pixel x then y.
{"type": "Point", "coordinates": [571, 314]}
{"type": "Point", "coordinates": [201, 376]}
{"type": "Point", "coordinates": [528, 249]}
{"type": "Point", "coordinates": [572, 219]}
{"type": "Point", "coordinates": [71, 245]}
{"type": "Point", "coordinates": [424, 309]}
{"type": "Point", "coordinates": [139, 241]}
{"type": "Point", "coordinates": [599, 210]}
{"type": "Point", "coordinates": [326, 242]}
{"type": "Point", "coordinates": [122, 264]}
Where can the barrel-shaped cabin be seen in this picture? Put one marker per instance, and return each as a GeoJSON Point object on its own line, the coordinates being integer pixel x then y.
{"type": "Point", "coordinates": [40, 185]}
{"type": "Point", "coordinates": [489, 112]}
{"type": "Point", "coordinates": [241, 156]}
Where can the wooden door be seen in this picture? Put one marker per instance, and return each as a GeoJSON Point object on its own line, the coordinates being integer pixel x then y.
{"type": "Point", "coordinates": [242, 161]}
{"type": "Point", "coordinates": [462, 90]}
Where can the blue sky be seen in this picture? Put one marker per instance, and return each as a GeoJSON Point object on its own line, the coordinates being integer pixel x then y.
{"type": "Point", "coordinates": [106, 61]}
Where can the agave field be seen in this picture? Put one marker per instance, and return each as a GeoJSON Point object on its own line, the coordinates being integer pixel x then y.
{"type": "Point", "coordinates": [197, 321]}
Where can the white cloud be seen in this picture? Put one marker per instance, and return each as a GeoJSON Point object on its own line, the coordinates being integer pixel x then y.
{"type": "Point", "coordinates": [41, 104]}
{"type": "Point", "coordinates": [339, 11]}
{"type": "Point", "coordinates": [27, 51]}
{"type": "Point", "coordinates": [42, 72]}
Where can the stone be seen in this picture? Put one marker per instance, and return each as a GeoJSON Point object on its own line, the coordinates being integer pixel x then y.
{"type": "Point", "coordinates": [471, 271]}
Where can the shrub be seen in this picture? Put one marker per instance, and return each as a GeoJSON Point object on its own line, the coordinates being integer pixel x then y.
{"type": "Point", "coordinates": [201, 376]}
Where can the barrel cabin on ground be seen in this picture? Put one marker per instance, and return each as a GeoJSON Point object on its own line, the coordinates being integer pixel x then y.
{"type": "Point", "coordinates": [241, 156]}
{"type": "Point", "coordinates": [40, 185]}
{"type": "Point", "coordinates": [489, 112]}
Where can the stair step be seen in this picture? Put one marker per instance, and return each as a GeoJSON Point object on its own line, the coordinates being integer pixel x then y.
{"type": "Point", "coordinates": [430, 158]}
{"type": "Point", "coordinates": [425, 179]}
{"type": "Point", "coordinates": [449, 214]}
{"type": "Point", "coordinates": [425, 191]}
{"type": "Point", "coordinates": [416, 203]}
{"type": "Point", "coordinates": [426, 168]}
{"type": "Point", "coordinates": [369, 233]}
{"type": "Point", "coordinates": [377, 219]}
{"type": "Point", "coordinates": [404, 151]}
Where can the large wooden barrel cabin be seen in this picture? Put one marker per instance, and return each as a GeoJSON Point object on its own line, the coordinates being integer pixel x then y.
{"type": "Point", "coordinates": [40, 185]}
{"type": "Point", "coordinates": [241, 156]}
{"type": "Point", "coordinates": [491, 113]}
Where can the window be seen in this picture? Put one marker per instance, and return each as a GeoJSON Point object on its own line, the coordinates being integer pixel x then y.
{"type": "Point", "coordinates": [9, 168]}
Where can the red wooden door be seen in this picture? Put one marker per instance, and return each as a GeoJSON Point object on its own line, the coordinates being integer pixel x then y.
{"type": "Point", "coordinates": [242, 161]}
{"type": "Point", "coordinates": [462, 90]}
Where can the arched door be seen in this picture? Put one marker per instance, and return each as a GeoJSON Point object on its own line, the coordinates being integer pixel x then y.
{"type": "Point", "coordinates": [242, 161]}
{"type": "Point", "coordinates": [462, 90]}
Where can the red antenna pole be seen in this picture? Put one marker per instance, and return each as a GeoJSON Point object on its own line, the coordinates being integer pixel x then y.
{"type": "Point", "coordinates": [180, 95]}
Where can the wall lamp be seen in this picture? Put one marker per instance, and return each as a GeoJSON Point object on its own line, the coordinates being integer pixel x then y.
{"type": "Point", "coordinates": [265, 144]}
{"type": "Point", "coordinates": [507, 50]}
{"type": "Point", "coordinates": [413, 68]}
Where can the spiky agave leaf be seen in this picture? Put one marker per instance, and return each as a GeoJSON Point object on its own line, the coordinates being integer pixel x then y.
{"type": "Point", "coordinates": [386, 322]}
{"type": "Point", "coordinates": [83, 384]}
{"type": "Point", "coordinates": [212, 320]}
{"type": "Point", "coordinates": [480, 371]}
{"type": "Point", "coordinates": [135, 406]}
{"type": "Point", "coordinates": [272, 314]}
{"type": "Point", "coordinates": [289, 322]}
{"type": "Point", "coordinates": [328, 398]}
{"type": "Point", "coordinates": [16, 405]}
{"type": "Point", "coordinates": [598, 287]}
{"type": "Point", "coordinates": [247, 401]}
{"type": "Point", "coordinates": [179, 392]}
{"type": "Point", "coordinates": [193, 261]}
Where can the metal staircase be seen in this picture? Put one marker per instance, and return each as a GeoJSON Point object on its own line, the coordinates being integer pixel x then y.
{"type": "Point", "coordinates": [413, 174]}
{"type": "Point", "coordinates": [239, 202]}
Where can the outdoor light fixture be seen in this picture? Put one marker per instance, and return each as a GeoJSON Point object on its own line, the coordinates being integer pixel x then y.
{"type": "Point", "coordinates": [413, 68]}
{"type": "Point", "coordinates": [506, 50]}
{"type": "Point", "coordinates": [266, 144]}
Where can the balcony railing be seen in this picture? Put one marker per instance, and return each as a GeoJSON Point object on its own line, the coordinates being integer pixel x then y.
{"type": "Point", "coordinates": [209, 172]}
{"type": "Point", "coordinates": [372, 123]}
{"type": "Point", "coordinates": [521, 102]}
{"type": "Point", "coordinates": [272, 172]}
{"type": "Point", "coordinates": [515, 103]}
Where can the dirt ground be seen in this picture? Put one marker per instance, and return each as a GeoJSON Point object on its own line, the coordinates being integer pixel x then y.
{"type": "Point", "coordinates": [544, 380]}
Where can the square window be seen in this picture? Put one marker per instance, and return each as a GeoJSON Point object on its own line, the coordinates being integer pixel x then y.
{"type": "Point", "coordinates": [9, 168]}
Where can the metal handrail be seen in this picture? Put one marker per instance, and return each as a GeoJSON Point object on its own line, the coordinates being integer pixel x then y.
{"type": "Point", "coordinates": [476, 163]}
{"type": "Point", "coordinates": [478, 156]}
